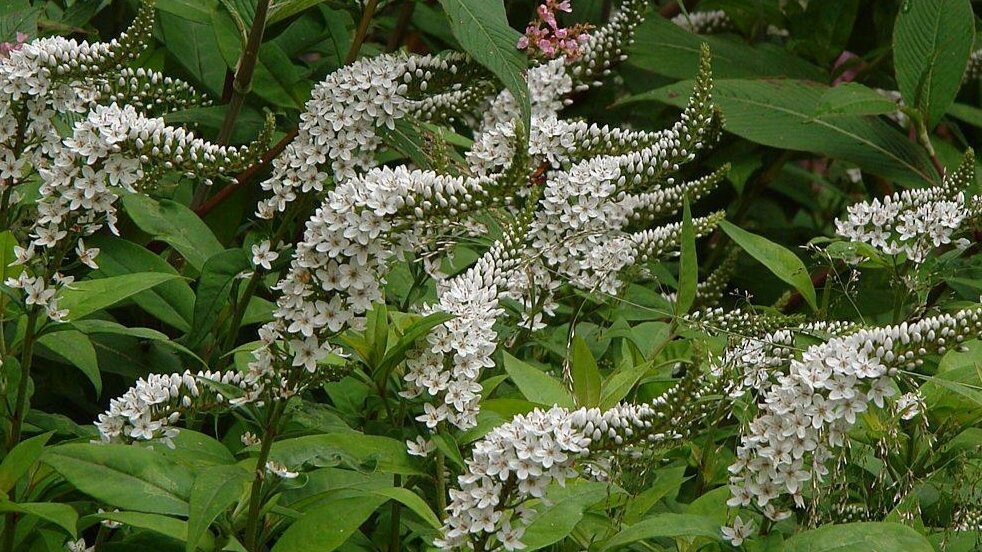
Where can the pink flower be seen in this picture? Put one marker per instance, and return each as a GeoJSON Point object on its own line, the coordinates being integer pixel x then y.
{"type": "Point", "coordinates": [551, 40]}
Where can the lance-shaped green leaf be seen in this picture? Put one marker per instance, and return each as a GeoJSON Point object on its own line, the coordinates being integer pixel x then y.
{"type": "Point", "coordinates": [783, 263]}
{"type": "Point", "coordinates": [483, 31]}
{"type": "Point", "coordinates": [932, 42]}
{"type": "Point", "coordinates": [88, 296]}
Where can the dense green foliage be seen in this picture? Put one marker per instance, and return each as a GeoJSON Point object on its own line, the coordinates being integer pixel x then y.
{"type": "Point", "coordinates": [646, 311]}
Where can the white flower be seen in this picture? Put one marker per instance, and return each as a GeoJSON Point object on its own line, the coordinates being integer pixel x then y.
{"type": "Point", "coordinates": [739, 532]}
{"type": "Point", "coordinates": [262, 256]}
{"type": "Point", "coordinates": [421, 446]}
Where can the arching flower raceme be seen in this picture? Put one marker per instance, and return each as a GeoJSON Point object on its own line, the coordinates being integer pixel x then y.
{"type": "Point", "coordinates": [915, 222]}
{"type": "Point", "coordinates": [809, 400]}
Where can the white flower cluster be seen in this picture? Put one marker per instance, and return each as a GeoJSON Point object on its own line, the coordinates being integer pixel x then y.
{"type": "Point", "coordinates": [339, 127]}
{"type": "Point", "coordinates": [704, 22]}
{"type": "Point", "coordinates": [149, 408]}
{"type": "Point", "coordinates": [814, 398]}
{"type": "Point", "coordinates": [914, 222]}
{"type": "Point", "coordinates": [108, 153]}
{"type": "Point", "coordinates": [517, 461]}
{"type": "Point", "coordinates": [974, 69]}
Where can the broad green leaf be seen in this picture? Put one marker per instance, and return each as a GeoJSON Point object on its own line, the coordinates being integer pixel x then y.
{"type": "Point", "coordinates": [176, 225]}
{"type": "Point", "coordinates": [932, 41]}
{"type": "Point", "coordinates": [88, 296]}
{"type": "Point", "coordinates": [105, 327]}
{"type": "Point", "coordinates": [20, 460]}
{"type": "Point", "coordinates": [586, 377]}
{"type": "Point", "coordinates": [852, 98]}
{"type": "Point", "coordinates": [284, 9]}
{"type": "Point", "coordinates": [174, 528]}
{"type": "Point", "coordinates": [18, 16]}
{"type": "Point", "coordinates": [667, 49]}
{"type": "Point", "coordinates": [823, 30]}
{"type": "Point", "coordinates": [213, 491]}
{"type": "Point", "coordinates": [62, 515]}
{"type": "Point", "coordinates": [536, 385]}
{"type": "Point", "coordinates": [447, 445]}
{"type": "Point", "coordinates": [366, 452]}
{"type": "Point", "coordinates": [482, 30]}
{"type": "Point", "coordinates": [214, 289]}
{"type": "Point", "coordinates": [783, 263]}
{"type": "Point", "coordinates": [780, 114]}
{"type": "Point", "coordinates": [76, 348]}
{"type": "Point", "coordinates": [170, 302]}
{"type": "Point", "coordinates": [667, 484]}
{"type": "Point", "coordinates": [688, 264]}
{"type": "Point", "coordinates": [412, 501]}
{"type": "Point", "coordinates": [859, 537]}
{"type": "Point", "coordinates": [195, 10]}
{"type": "Point", "coordinates": [328, 525]}
{"type": "Point", "coordinates": [192, 44]}
{"type": "Point", "coordinates": [967, 113]}
{"type": "Point", "coordinates": [7, 243]}
{"type": "Point", "coordinates": [124, 476]}
{"type": "Point", "coordinates": [666, 525]}
{"type": "Point", "coordinates": [555, 520]}
{"type": "Point", "coordinates": [620, 384]}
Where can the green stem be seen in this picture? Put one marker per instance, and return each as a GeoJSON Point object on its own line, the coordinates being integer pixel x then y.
{"type": "Point", "coordinates": [441, 485]}
{"type": "Point", "coordinates": [395, 537]}
{"type": "Point", "coordinates": [17, 420]}
{"type": "Point", "coordinates": [27, 357]}
{"type": "Point", "coordinates": [241, 86]}
{"type": "Point", "coordinates": [362, 32]}
{"type": "Point", "coordinates": [237, 316]}
{"type": "Point", "coordinates": [256, 494]}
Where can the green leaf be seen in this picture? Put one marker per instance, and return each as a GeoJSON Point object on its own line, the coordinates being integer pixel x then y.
{"type": "Point", "coordinates": [367, 452]}
{"type": "Point", "coordinates": [666, 525]}
{"type": "Point", "coordinates": [397, 353]}
{"type": "Point", "coordinates": [619, 384]}
{"type": "Point", "coordinates": [88, 296]}
{"type": "Point", "coordinates": [852, 98]}
{"type": "Point", "coordinates": [214, 289]}
{"type": "Point", "coordinates": [176, 225]}
{"type": "Point", "coordinates": [195, 10]}
{"type": "Point", "coordinates": [780, 114]}
{"type": "Point", "coordinates": [446, 444]}
{"type": "Point", "coordinates": [536, 385]}
{"type": "Point", "coordinates": [688, 264]}
{"type": "Point", "coordinates": [823, 30]}
{"type": "Point", "coordinates": [859, 537]}
{"type": "Point", "coordinates": [328, 525]}
{"type": "Point", "coordinates": [482, 30]}
{"type": "Point", "coordinates": [213, 491]}
{"type": "Point", "coordinates": [7, 243]}
{"type": "Point", "coordinates": [192, 44]}
{"type": "Point", "coordinates": [174, 528]}
{"type": "Point", "coordinates": [666, 49]}
{"type": "Point", "coordinates": [285, 9]}
{"type": "Point", "coordinates": [412, 501]}
{"type": "Point", "coordinates": [20, 460]}
{"type": "Point", "coordinates": [555, 521]}
{"type": "Point", "coordinates": [932, 42]}
{"type": "Point", "coordinates": [124, 476]}
{"type": "Point", "coordinates": [62, 515]}
{"type": "Point", "coordinates": [18, 16]}
{"type": "Point", "coordinates": [100, 327]}
{"type": "Point", "coordinates": [76, 348]}
{"type": "Point", "coordinates": [586, 377]}
{"type": "Point", "coordinates": [783, 263]}
{"type": "Point", "coordinates": [170, 302]}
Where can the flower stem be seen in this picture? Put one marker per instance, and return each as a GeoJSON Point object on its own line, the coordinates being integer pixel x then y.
{"type": "Point", "coordinates": [252, 543]}
{"type": "Point", "coordinates": [17, 420]}
{"type": "Point", "coordinates": [27, 357]}
{"type": "Point", "coordinates": [441, 485]}
{"type": "Point", "coordinates": [366, 20]}
{"type": "Point", "coordinates": [241, 86]}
